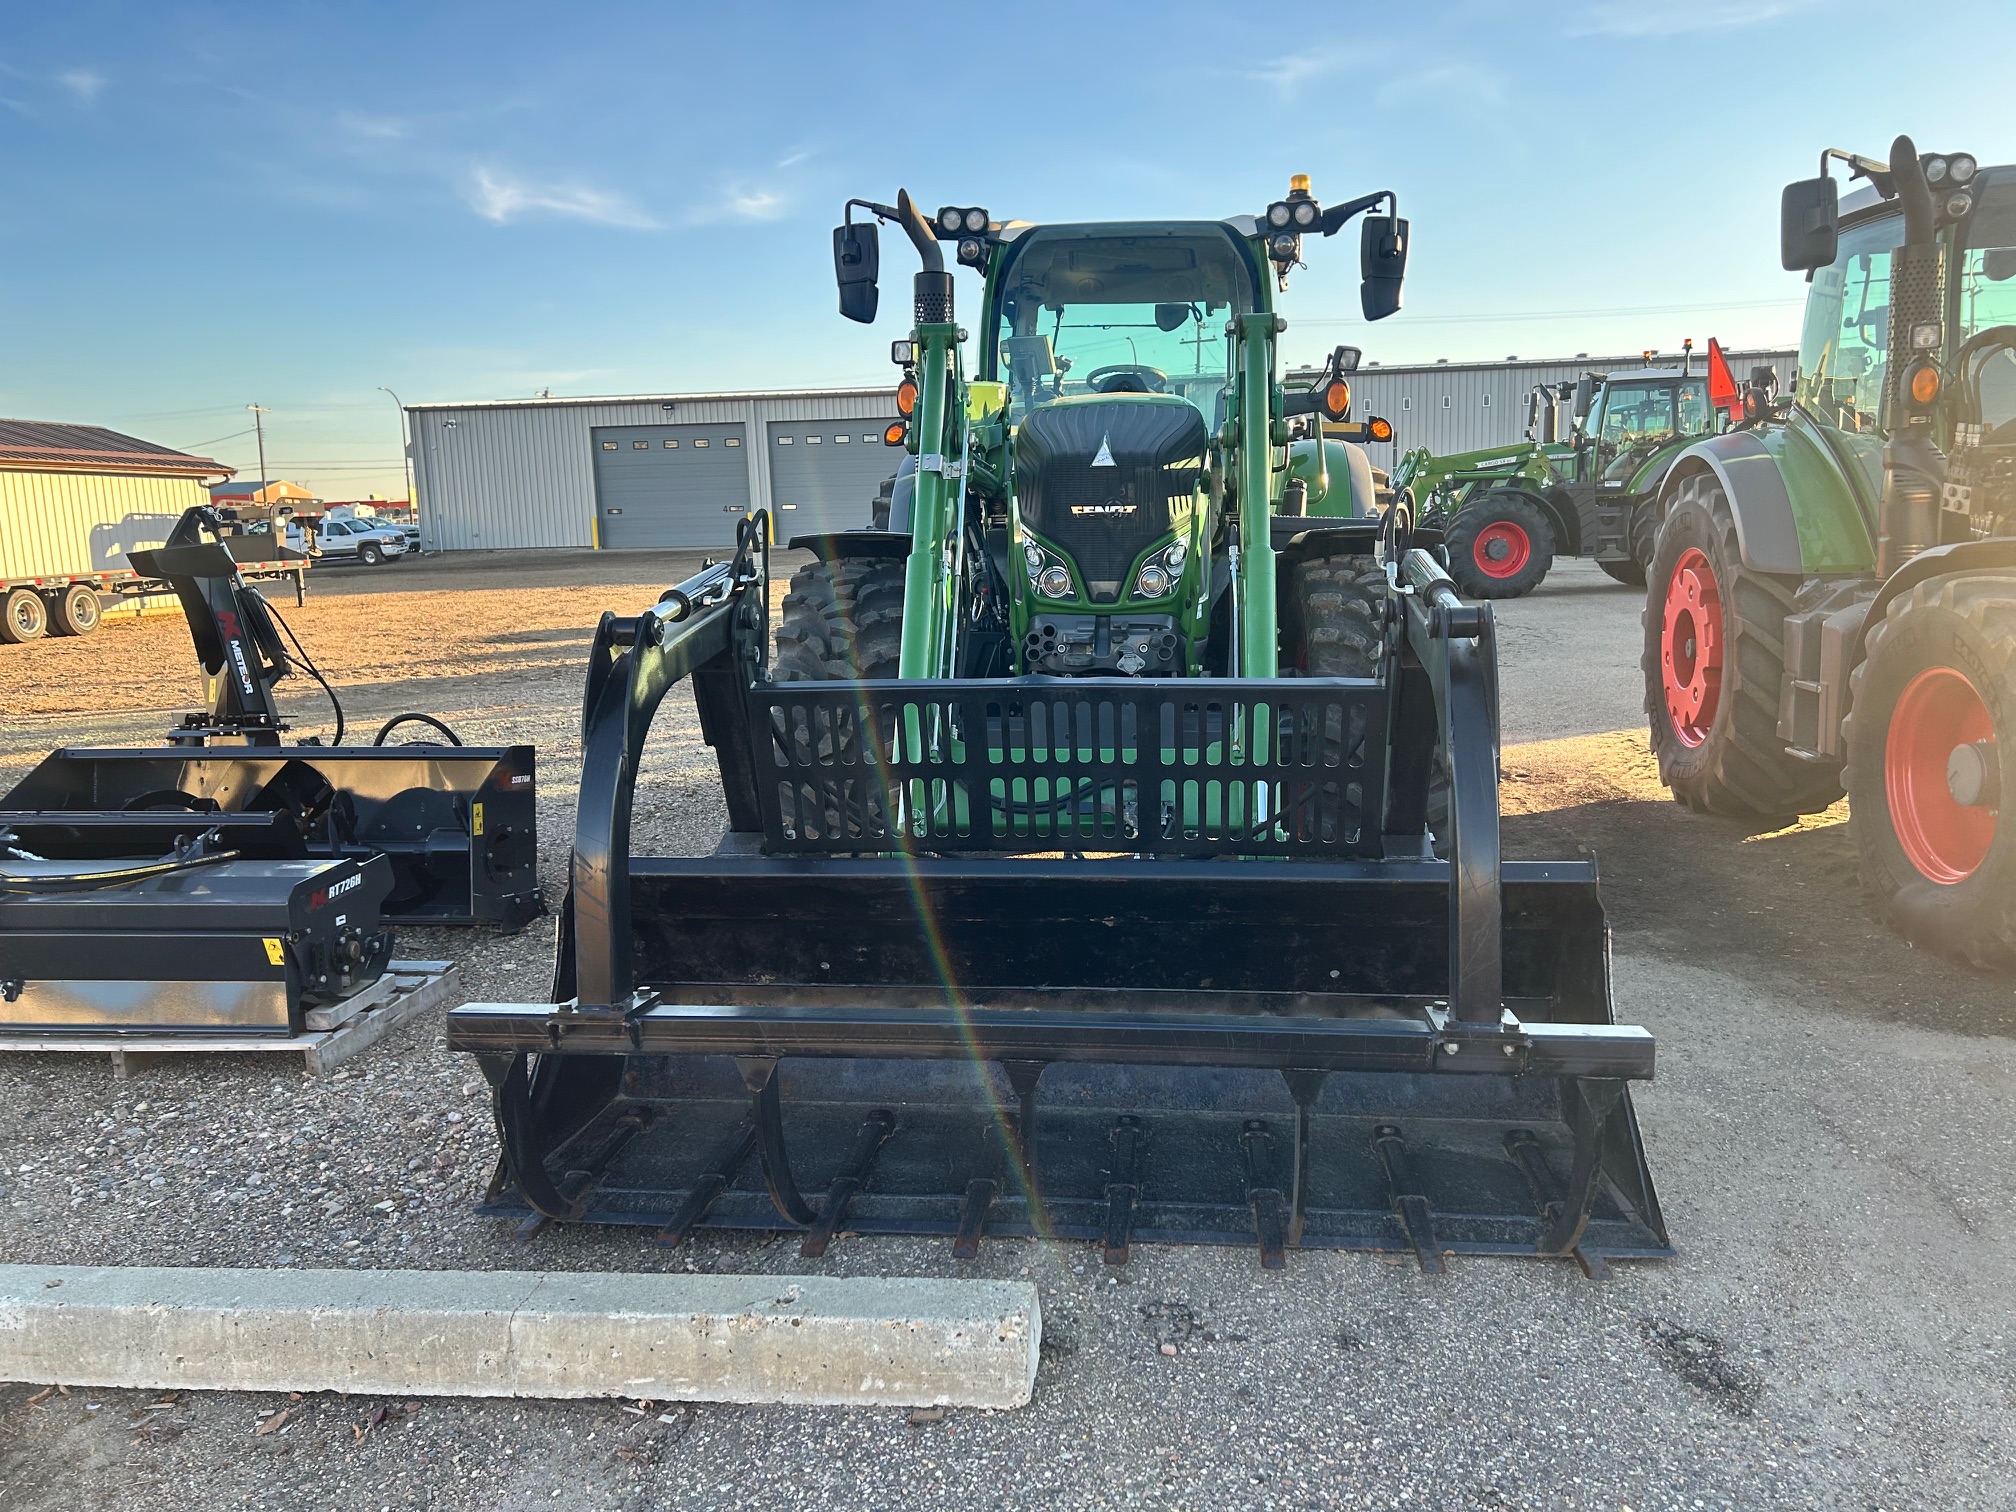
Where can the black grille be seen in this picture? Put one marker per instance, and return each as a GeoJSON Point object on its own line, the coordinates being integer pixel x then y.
{"type": "Point", "coordinates": [1102, 515]}
{"type": "Point", "coordinates": [1204, 767]}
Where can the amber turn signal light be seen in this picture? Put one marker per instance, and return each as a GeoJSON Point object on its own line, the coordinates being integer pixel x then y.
{"type": "Point", "coordinates": [892, 433]}
{"type": "Point", "coordinates": [1924, 384]}
{"type": "Point", "coordinates": [1381, 430]}
{"type": "Point", "coordinates": [906, 397]}
{"type": "Point", "coordinates": [1337, 399]}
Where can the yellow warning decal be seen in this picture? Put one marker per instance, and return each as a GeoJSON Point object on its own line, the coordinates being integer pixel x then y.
{"type": "Point", "coordinates": [274, 953]}
{"type": "Point", "coordinates": [476, 819]}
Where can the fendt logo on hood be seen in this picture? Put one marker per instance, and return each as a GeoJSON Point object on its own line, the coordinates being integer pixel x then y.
{"type": "Point", "coordinates": [1110, 507]}
{"type": "Point", "coordinates": [335, 890]}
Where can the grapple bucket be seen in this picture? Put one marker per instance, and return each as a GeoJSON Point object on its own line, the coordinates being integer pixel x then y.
{"type": "Point", "coordinates": [1309, 1032]}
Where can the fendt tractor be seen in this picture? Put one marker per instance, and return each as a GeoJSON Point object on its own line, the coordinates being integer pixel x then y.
{"type": "Point", "coordinates": [1833, 593]}
{"type": "Point", "coordinates": [1584, 489]}
{"type": "Point", "coordinates": [1112, 845]}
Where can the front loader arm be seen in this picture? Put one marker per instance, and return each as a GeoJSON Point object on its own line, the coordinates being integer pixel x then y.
{"type": "Point", "coordinates": [1253, 447]}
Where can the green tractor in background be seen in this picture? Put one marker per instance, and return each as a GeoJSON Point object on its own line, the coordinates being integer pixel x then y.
{"type": "Point", "coordinates": [1832, 598]}
{"type": "Point", "coordinates": [1583, 489]}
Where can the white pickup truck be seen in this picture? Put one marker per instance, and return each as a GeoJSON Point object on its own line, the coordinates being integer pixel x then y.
{"type": "Point", "coordinates": [371, 542]}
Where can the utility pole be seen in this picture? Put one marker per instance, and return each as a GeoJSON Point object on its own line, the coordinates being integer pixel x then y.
{"type": "Point", "coordinates": [406, 453]}
{"type": "Point", "coordinates": [259, 428]}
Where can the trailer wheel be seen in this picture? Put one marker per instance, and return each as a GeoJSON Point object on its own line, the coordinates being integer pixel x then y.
{"type": "Point", "coordinates": [1341, 601]}
{"type": "Point", "coordinates": [77, 610]}
{"type": "Point", "coordinates": [24, 617]}
{"type": "Point", "coordinates": [842, 621]}
{"type": "Point", "coordinates": [1713, 661]}
{"type": "Point", "coordinates": [1931, 759]}
{"type": "Point", "coordinates": [1500, 546]}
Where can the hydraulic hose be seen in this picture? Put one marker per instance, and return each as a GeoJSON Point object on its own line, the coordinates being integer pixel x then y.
{"type": "Point", "coordinates": [427, 719]}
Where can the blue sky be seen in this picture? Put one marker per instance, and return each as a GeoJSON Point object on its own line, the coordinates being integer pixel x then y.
{"type": "Point", "coordinates": [211, 205]}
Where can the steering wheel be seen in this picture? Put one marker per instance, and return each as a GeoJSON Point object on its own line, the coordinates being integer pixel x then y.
{"type": "Point", "coordinates": [1156, 380]}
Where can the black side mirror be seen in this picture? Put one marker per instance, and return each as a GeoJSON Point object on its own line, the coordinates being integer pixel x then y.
{"type": "Point", "coordinates": [1171, 317]}
{"type": "Point", "coordinates": [1998, 264]}
{"type": "Point", "coordinates": [1382, 264]}
{"type": "Point", "coordinates": [857, 261]}
{"type": "Point", "coordinates": [1585, 396]}
{"type": "Point", "coordinates": [1809, 224]}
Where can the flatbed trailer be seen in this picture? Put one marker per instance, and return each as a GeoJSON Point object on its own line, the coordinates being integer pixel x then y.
{"type": "Point", "coordinates": [72, 603]}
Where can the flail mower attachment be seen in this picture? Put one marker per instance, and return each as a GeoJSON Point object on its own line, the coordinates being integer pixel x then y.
{"type": "Point", "coordinates": [1101, 959]}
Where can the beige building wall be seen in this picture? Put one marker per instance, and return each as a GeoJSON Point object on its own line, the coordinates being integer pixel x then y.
{"type": "Point", "coordinates": [60, 522]}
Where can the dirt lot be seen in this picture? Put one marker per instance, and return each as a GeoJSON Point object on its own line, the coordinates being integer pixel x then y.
{"type": "Point", "coordinates": [1831, 1131]}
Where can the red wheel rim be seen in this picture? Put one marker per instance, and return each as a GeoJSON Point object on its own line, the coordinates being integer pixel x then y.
{"type": "Point", "coordinates": [1947, 840]}
{"type": "Point", "coordinates": [1502, 549]}
{"type": "Point", "coordinates": [1690, 648]}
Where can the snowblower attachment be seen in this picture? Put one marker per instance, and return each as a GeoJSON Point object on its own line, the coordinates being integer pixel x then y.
{"type": "Point", "coordinates": [1098, 958]}
{"type": "Point", "coordinates": [455, 823]}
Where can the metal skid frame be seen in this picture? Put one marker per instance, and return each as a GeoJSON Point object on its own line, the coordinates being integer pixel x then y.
{"type": "Point", "coordinates": [1384, 1048]}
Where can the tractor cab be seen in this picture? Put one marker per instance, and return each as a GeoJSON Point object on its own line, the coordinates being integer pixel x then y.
{"type": "Point", "coordinates": [1631, 418]}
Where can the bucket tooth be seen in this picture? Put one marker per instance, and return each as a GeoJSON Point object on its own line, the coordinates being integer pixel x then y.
{"type": "Point", "coordinates": [1587, 1106]}
{"type": "Point", "coordinates": [875, 1131]}
{"type": "Point", "coordinates": [1263, 1196]}
{"type": "Point", "coordinates": [708, 1187]}
{"type": "Point", "coordinates": [759, 1075]}
{"type": "Point", "coordinates": [1022, 1078]}
{"type": "Point", "coordinates": [1304, 1086]}
{"type": "Point", "coordinates": [1124, 1190]}
{"type": "Point", "coordinates": [1410, 1206]}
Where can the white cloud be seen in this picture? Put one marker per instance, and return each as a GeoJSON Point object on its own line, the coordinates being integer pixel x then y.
{"type": "Point", "coordinates": [373, 128]}
{"type": "Point", "coordinates": [1639, 18]}
{"type": "Point", "coordinates": [85, 83]}
{"type": "Point", "coordinates": [741, 202]}
{"type": "Point", "coordinates": [502, 199]}
{"type": "Point", "coordinates": [1450, 82]}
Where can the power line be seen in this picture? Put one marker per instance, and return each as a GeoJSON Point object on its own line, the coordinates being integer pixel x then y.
{"type": "Point", "coordinates": [216, 439]}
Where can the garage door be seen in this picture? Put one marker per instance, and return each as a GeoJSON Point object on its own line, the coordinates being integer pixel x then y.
{"type": "Point", "coordinates": [670, 485]}
{"type": "Point", "coordinates": [824, 473]}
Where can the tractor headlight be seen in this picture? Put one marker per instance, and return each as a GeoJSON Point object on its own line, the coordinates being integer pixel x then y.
{"type": "Point", "coordinates": [1961, 168]}
{"type": "Point", "coordinates": [1034, 558]}
{"type": "Point", "coordinates": [1306, 213]}
{"type": "Point", "coordinates": [1957, 205]}
{"type": "Point", "coordinates": [1162, 572]}
{"type": "Point", "coordinates": [976, 220]}
{"type": "Point", "coordinates": [1279, 214]}
{"type": "Point", "coordinates": [1283, 246]}
{"type": "Point", "coordinates": [1935, 170]}
{"type": "Point", "coordinates": [1054, 581]}
{"type": "Point", "coordinates": [951, 218]}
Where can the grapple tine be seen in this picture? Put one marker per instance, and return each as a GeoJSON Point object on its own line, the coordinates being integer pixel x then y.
{"type": "Point", "coordinates": [1410, 1206]}
{"type": "Point", "coordinates": [759, 1075]}
{"type": "Point", "coordinates": [1263, 1197]}
{"type": "Point", "coordinates": [875, 1132]}
{"type": "Point", "coordinates": [708, 1187]}
{"type": "Point", "coordinates": [1123, 1189]}
{"type": "Point", "coordinates": [980, 1195]}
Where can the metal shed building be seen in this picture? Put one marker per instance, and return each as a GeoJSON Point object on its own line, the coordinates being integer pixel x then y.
{"type": "Point", "coordinates": [648, 470]}
{"type": "Point", "coordinates": [1467, 406]}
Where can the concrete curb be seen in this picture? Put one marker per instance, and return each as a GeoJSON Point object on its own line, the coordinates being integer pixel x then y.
{"type": "Point", "coordinates": [812, 1340]}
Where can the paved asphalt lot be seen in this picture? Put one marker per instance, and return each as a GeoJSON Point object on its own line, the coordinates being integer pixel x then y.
{"type": "Point", "coordinates": [1830, 1131]}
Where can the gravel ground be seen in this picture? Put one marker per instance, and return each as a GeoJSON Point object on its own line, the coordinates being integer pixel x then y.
{"type": "Point", "coordinates": [1831, 1132]}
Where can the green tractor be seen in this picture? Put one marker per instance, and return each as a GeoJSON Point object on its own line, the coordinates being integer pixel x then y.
{"type": "Point", "coordinates": [1113, 835]}
{"type": "Point", "coordinates": [1508, 511]}
{"type": "Point", "coordinates": [1832, 598]}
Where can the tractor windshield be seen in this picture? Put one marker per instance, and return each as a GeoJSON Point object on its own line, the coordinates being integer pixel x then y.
{"type": "Point", "coordinates": [1639, 418]}
{"type": "Point", "coordinates": [1987, 297]}
{"type": "Point", "coordinates": [1845, 343]}
{"type": "Point", "coordinates": [1103, 309]}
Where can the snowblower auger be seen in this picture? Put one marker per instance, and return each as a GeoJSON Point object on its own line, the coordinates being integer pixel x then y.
{"type": "Point", "coordinates": [1112, 846]}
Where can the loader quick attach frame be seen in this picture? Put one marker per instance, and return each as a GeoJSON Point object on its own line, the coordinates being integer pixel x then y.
{"type": "Point", "coordinates": [1101, 959]}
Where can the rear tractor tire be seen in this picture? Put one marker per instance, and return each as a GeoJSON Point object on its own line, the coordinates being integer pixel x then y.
{"type": "Point", "coordinates": [1714, 660]}
{"type": "Point", "coordinates": [24, 617]}
{"type": "Point", "coordinates": [843, 621]}
{"type": "Point", "coordinates": [1500, 546]}
{"type": "Point", "coordinates": [1932, 765]}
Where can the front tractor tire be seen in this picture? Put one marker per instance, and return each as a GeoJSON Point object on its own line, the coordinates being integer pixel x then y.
{"type": "Point", "coordinates": [1932, 762]}
{"type": "Point", "coordinates": [1500, 546]}
{"type": "Point", "coordinates": [1341, 604]}
{"type": "Point", "coordinates": [843, 621]}
{"type": "Point", "coordinates": [1713, 662]}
